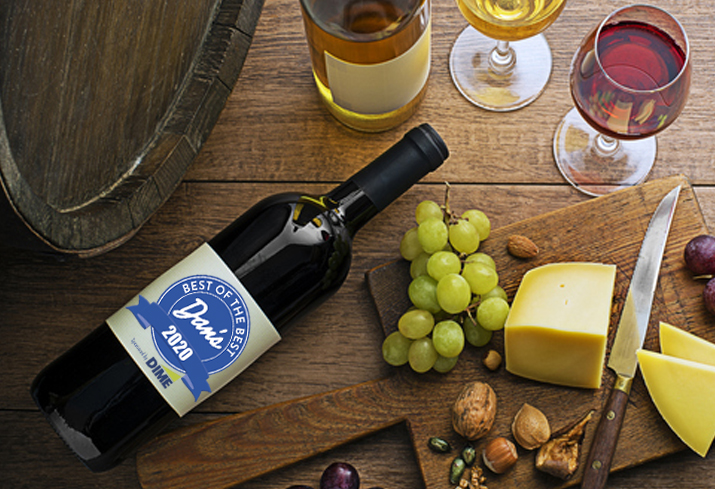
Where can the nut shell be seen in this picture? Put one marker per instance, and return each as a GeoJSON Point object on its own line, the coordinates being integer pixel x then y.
{"type": "Point", "coordinates": [499, 455]}
{"type": "Point", "coordinates": [474, 410]}
{"type": "Point", "coordinates": [530, 427]}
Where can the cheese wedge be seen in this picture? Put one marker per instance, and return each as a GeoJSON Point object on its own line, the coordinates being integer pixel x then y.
{"type": "Point", "coordinates": [683, 391]}
{"type": "Point", "coordinates": [557, 328]}
{"type": "Point", "coordinates": [676, 342]}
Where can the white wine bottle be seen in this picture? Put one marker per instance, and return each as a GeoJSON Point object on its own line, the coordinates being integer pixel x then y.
{"type": "Point", "coordinates": [201, 323]}
{"type": "Point", "coordinates": [370, 58]}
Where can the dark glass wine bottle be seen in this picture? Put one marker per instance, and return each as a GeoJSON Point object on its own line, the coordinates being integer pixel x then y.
{"type": "Point", "coordinates": [290, 252]}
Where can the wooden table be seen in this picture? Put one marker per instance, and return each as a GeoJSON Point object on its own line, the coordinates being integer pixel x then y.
{"type": "Point", "coordinates": [274, 135]}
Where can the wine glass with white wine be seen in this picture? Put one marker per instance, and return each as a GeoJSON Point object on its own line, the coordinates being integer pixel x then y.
{"type": "Point", "coordinates": [502, 61]}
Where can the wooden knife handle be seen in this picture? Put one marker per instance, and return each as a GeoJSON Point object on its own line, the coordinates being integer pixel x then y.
{"type": "Point", "coordinates": [239, 447]}
{"type": "Point", "coordinates": [598, 463]}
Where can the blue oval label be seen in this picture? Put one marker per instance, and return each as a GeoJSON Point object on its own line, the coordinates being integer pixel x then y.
{"type": "Point", "coordinates": [211, 318]}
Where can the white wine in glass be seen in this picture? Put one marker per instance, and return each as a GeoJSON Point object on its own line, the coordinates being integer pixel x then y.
{"type": "Point", "coordinates": [501, 61]}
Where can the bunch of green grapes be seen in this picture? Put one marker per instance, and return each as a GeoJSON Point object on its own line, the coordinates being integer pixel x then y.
{"type": "Point", "coordinates": [454, 291]}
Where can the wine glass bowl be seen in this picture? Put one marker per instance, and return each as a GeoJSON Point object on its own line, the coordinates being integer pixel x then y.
{"type": "Point", "coordinates": [629, 80]}
{"type": "Point", "coordinates": [501, 61]}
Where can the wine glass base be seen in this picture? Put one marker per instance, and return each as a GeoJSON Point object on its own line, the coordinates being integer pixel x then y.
{"type": "Point", "coordinates": [485, 88]}
{"type": "Point", "coordinates": [585, 165]}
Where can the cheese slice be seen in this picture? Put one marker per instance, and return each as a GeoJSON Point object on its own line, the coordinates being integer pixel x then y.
{"type": "Point", "coordinates": [557, 328]}
{"type": "Point", "coordinates": [683, 391]}
{"type": "Point", "coordinates": [676, 342]}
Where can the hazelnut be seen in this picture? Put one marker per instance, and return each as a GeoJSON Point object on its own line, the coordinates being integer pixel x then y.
{"type": "Point", "coordinates": [530, 427]}
{"type": "Point", "coordinates": [492, 360]}
{"type": "Point", "coordinates": [474, 409]}
{"type": "Point", "coordinates": [499, 455]}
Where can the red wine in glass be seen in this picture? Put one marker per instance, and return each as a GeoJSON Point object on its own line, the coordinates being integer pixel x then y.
{"type": "Point", "coordinates": [629, 80]}
{"type": "Point", "coordinates": [628, 87]}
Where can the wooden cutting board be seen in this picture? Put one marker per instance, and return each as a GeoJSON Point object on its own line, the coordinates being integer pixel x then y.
{"type": "Point", "coordinates": [608, 229]}
{"type": "Point", "coordinates": [103, 106]}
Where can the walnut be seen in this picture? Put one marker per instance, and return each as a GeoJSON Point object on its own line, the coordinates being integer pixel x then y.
{"type": "Point", "coordinates": [472, 478]}
{"type": "Point", "coordinates": [560, 455]}
{"type": "Point", "coordinates": [474, 410]}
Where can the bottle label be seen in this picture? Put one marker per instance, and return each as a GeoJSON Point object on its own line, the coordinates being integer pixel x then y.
{"type": "Point", "coordinates": [193, 330]}
{"type": "Point", "coordinates": [382, 87]}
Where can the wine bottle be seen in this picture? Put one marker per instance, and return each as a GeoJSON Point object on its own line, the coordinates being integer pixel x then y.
{"type": "Point", "coordinates": [201, 323]}
{"type": "Point", "coordinates": [370, 58]}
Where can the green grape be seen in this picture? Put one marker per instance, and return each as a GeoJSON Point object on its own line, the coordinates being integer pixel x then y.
{"type": "Point", "coordinates": [433, 235]}
{"type": "Point", "coordinates": [480, 221]}
{"type": "Point", "coordinates": [444, 364]}
{"type": "Point", "coordinates": [464, 237]}
{"type": "Point", "coordinates": [395, 348]}
{"type": "Point", "coordinates": [481, 258]}
{"type": "Point", "coordinates": [415, 323]}
{"type": "Point", "coordinates": [410, 247]}
{"type": "Point", "coordinates": [495, 292]}
{"type": "Point", "coordinates": [448, 338]}
{"type": "Point", "coordinates": [427, 209]}
{"type": "Point", "coordinates": [419, 265]}
{"type": "Point", "coordinates": [480, 277]}
{"type": "Point", "coordinates": [422, 355]}
{"type": "Point", "coordinates": [474, 333]}
{"type": "Point", "coordinates": [443, 263]}
{"type": "Point", "coordinates": [492, 313]}
{"type": "Point", "coordinates": [423, 293]}
{"type": "Point", "coordinates": [453, 293]}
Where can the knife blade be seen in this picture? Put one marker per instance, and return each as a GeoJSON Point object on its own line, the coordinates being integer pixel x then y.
{"type": "Point", "coordinates": [630, 334]}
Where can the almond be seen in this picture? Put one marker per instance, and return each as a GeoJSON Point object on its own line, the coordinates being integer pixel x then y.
{"type": "Point", "coordinates": [521, 247]}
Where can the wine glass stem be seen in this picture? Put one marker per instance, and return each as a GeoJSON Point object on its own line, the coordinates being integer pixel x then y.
{"type": "Point", "coordinates": [606, 146]}
{"type": "Point", "coordinates": [502, 58]}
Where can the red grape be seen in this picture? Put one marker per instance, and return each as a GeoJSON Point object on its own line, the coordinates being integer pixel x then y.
{"type": "Point", "coordinates": [709, 296]}
{"type": "Point", "coordinates": [340, 475]}
{"type": "Point", "coordinates": [700, 255]}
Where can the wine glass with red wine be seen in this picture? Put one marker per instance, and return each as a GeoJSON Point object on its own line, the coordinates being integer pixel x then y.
{"type": "Point", "coordinates": [629, 80]}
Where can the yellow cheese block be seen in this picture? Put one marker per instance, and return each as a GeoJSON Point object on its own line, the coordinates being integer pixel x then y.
{"type": "Point", "coordinates": [676, 342]}
{"type": "Point", "coordinates": [557, 328]}
{"type": "Point", "coordinates": [683, 391]}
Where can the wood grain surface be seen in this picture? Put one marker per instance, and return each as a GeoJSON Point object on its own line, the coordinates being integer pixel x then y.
{"type": "Point", "coordinates": [104, 106]}
{"type": "Point", "coordinates": [274, 136]}
{"type": "Point", "coordinates": [610, 230]}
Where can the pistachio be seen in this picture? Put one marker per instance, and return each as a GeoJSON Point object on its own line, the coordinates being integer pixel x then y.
{"type": "Point", "coordinates": [456, 470]}
{"type": "Point", "coordinates": [439, 445]}
{"type": "Point", "coordinates": [469, 455]}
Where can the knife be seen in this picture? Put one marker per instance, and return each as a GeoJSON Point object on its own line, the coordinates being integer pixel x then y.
{"type": "Point", "coordinates": [630, 334]}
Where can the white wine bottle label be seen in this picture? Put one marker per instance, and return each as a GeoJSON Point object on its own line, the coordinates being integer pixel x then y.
{"type": "Point", "coordinates": [382, 87]}
{"type": "Point", "coordinates": [193, 330]}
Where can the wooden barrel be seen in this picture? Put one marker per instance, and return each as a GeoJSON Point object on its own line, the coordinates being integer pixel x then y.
{"type": "Point", "coordinates": [103, 106]}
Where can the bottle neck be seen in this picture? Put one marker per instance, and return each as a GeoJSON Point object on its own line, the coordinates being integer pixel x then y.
{"type": "Point", "coordinates": [352, 204]}
{"type": "Point", "coordinates": [391, 174]}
